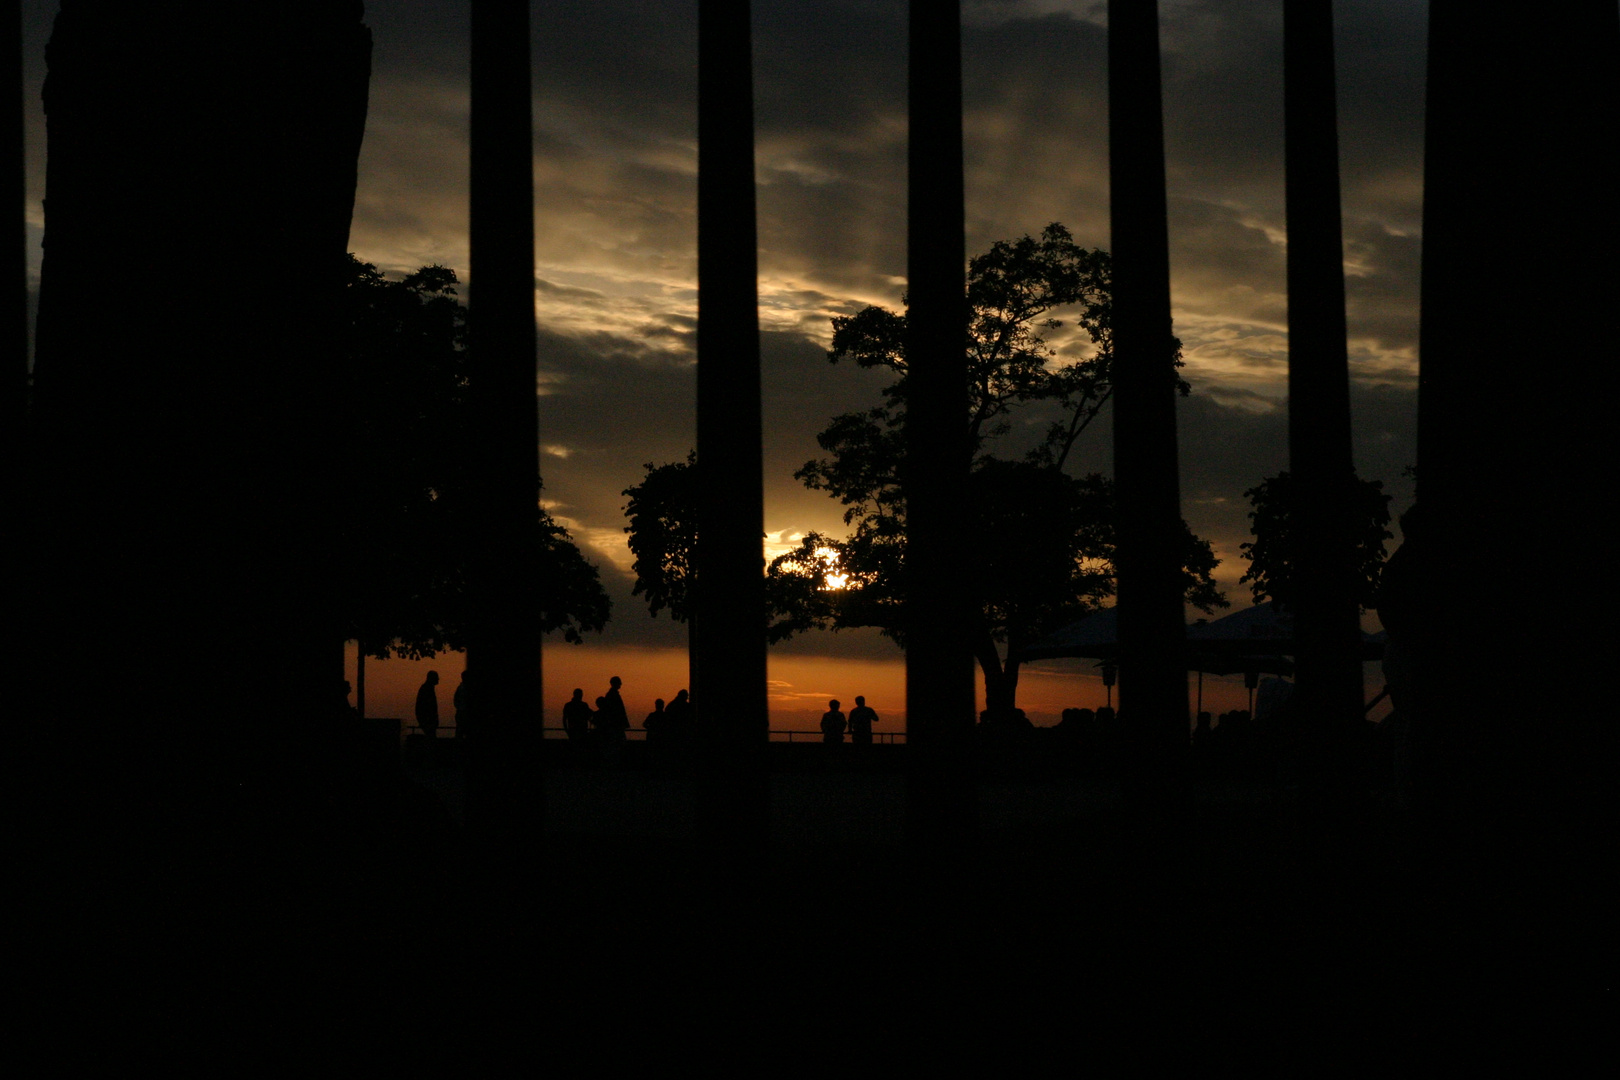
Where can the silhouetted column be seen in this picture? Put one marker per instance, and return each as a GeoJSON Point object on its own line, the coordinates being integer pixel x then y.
{"type": "Point", "coordinates": [1152, 634]}
{"type": "Point", "coordinates": [1520, 230]}
{"type": "Point", "coordinates": [939, 663]}
{"type": "Point", "coordinates": [1327, 620]}
{"type": "Point", "coordinates": [503, 631]}
{"type": "Point", "coordinates": [1514, 721]}
{"type": "Point", "coordinates": [729, 649]}
{"type": "Point", "coordinates": [16, 272]}
{"type": "Point", "coordinates": [200, 181]}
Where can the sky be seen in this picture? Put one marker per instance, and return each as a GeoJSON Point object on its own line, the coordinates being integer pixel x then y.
{"type": "Point", "coordinates": [615, 191]}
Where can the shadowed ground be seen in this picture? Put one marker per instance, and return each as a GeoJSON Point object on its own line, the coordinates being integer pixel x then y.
{"type": "Point", "coordinates": [378, 906]}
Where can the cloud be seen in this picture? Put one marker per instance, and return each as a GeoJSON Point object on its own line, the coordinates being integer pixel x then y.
{"type": "Point", "coordinates": [614, 150]}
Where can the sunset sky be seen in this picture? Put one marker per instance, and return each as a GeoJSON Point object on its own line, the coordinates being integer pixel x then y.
{"type": "Point", "coordinates": [615, 179]}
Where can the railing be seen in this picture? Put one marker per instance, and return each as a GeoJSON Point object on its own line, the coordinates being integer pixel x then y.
{"type": "Point", "coordinates": [887, 738]}
{"type": "Point", "coordinates": [884, 737]}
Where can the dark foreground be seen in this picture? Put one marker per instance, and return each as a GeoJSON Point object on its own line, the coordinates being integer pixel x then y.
{"type": "Point", "coordinates": [372, 903]}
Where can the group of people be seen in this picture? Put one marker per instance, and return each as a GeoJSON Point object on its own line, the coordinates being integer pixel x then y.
{"type": "Point", "coordinates": [609, 721]}
{"type": "Point", "coordinates": [859, 723]}
{"type": "Point", "coordinates": [666, 724]}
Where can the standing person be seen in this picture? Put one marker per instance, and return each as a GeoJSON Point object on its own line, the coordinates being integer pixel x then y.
{"type": "Point", "coordinates": [832, 723]}
{"type": "Point", "coordinates": [576, 717]}
{"type": "Point", "coordinates": [427, 705]}
{"type": "Point", "coordinates": [1404, 607]}
{"type": "Point", "coordinates": [861, 720]}
{"type": "Point", "coordinates": [654, 724]}
{"type": "Point", "coordinates": [679, 723]}
{"type": "Point", "coordinates": [610, 723]}
{"type": "Point", "coordinates": [617, 719]}
{"type": "Point", "coordinates": [462, 702]}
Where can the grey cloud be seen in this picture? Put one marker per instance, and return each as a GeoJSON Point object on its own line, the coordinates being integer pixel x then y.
{"type": "Point", "coordinates": [578, 295]}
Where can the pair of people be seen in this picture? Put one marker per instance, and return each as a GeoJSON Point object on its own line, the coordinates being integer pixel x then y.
{"type": "Point", "coordinates": [859, 723]}
{"type": "Point", "coordinates": [427, 704]}
{"type": "Point", "coordinates": [674, 724]}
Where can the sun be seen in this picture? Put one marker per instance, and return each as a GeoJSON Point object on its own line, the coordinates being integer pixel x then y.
{"type": "Point", "coordinates": [830, 578]}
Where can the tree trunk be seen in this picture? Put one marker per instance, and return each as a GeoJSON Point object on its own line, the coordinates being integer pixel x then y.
{"type": "Point", "coordinates": [1000, 679]}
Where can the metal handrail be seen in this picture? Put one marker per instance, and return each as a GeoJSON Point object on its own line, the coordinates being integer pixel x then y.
{"type": "Point", "coordinates": [887, 738]}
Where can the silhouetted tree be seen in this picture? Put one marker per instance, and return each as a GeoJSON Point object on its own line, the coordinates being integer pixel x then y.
{"type": "Point", "coordinates": [1273, 552]}
{"type": "Point", "coordinates": [1036, 551]}
{"type": "Point", "coordinates": [408, 523]}
{"type": "Point", "coordinates": [663, 535]}
{"type": "Point", "coordinates": [1037, 545]}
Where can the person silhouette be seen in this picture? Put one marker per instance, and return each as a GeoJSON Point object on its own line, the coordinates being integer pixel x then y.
{"type": "Point", "coordinates": [653, 725]}
{"type": "Point", "coordinates": [576, 716]}
{"type": "Point", "coordinates": [1404, 606]}
{"type": "Point", "coordinates": [617, 720]}
{"type": "Point", "coordinates": [461, 700]}
{"type": "Point", "coordinates": [345, 711]}
{"type": "Point", "coordinates": [832, 723]}
{"type": "Point", "coordinates": [861, 719]}
{"type": "Point", "coordinates": [427, 706]}
{"type": "Point", "coordinates": [679, 722]}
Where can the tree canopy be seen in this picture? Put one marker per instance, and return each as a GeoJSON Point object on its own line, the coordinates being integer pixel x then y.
{"type": "Point", "coordinates": [663, 534]}
{"type": "Point", "coordinates": [406, 530]}
{"type": "Point", "coordinates": [1036, 543]}
{"type": "Point", "coordinates": [1272, 553]}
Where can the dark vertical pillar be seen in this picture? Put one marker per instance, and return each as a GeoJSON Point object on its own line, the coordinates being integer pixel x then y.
{"type": "Point", "coordinates": [15, 193]}
{"type": "Point", "coordinates": [503, 633]}
{"type": "Point", "coordinates": [728, 657]}
{"type": "Point", "coordinates": [183, 446]}
{"type": "Point", "coordinates": [1520, 230]}
{"type": "Point", "coordinates": [183, 450]}
{"type": "Point", "coordinates": [939, 665]}
{"type": "Point", "coordinates": [1327, 616]}
{"type": "Point", "coordinates": [1152, 634]}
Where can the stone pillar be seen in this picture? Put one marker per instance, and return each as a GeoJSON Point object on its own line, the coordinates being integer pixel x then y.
{"type": "Point", "coordinates": [504, 721]}
{"type": "Point", "coordinates": [939, 663]}
{"type": "Point", "coordinates": [1327, 619]}
{"type": "Point", "coordinates": [728, 658]}
{"type": "Point", "coordinates": [1152, 635]}
{"type": "Point", "coordinates": [200, 181]}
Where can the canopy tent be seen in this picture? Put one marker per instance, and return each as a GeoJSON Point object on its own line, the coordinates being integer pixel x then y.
{"type": "Point", "coordinates": [1263, 630]}
{"type": "Point", "coordinates": [1255, 640]}
{"type": "Point", "coordinates": [1260, 635]}
{"type": "Point", "coordinates": [1097, 637]}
